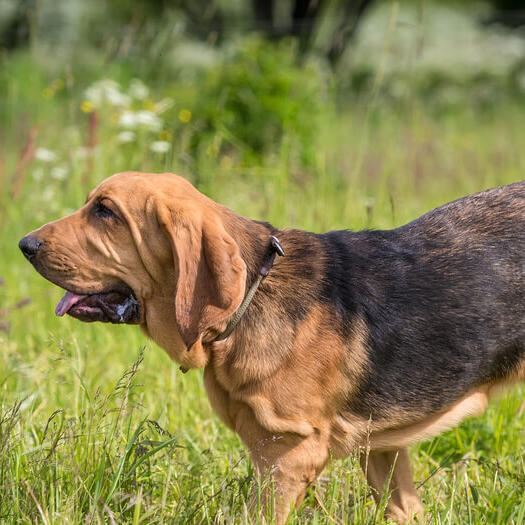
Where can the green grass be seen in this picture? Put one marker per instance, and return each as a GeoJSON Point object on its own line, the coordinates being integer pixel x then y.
{"type": "Point", "coordinates": [96, 424]}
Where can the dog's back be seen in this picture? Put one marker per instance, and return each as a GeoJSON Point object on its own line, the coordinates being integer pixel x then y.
{"type": "Point", "coordinates": [443, 300]}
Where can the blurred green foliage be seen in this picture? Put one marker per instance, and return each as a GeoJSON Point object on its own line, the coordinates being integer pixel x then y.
{"type": "Point", "coordinates": [426, 106]}
{"type": "Point", "coordinates": [256, 95]}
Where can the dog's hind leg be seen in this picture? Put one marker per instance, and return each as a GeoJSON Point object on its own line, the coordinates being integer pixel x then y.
{"type": "Point", "coordinates": [380, 466]}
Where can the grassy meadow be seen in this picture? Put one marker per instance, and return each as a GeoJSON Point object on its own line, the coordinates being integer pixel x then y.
{"type": "Point", "coordinates": [97, 425]}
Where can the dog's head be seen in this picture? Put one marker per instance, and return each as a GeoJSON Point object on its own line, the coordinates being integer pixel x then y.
{"type": "Point", "coordinates": [144, 249]}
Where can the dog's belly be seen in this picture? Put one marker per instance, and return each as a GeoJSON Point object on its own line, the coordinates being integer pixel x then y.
{"type": "Point", "coordinates": [349, 431]}
{"type": "Point", "coordinates": [472, 404]}
{"type": "Point", "coordinates": [391, 433]}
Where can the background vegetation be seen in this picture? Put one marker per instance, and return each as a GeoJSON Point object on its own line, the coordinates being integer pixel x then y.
{"type": "Point", "coordinates": [427, 104]}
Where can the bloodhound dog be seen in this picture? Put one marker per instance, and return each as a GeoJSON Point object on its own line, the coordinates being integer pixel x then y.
{"type": "Point", "coordinates": [313, 345]}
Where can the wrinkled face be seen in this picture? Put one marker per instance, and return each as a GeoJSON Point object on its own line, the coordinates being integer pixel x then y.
{"type": "Point", "coordinates": [95, 253]}
{"type": "Point", "coordinates": [144, 249]}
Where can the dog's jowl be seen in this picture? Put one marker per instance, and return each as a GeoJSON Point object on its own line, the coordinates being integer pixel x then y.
{"type": "Point", "coordinates": [329, 342]}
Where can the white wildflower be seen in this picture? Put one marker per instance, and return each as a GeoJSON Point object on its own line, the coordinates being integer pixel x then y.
{"type": "Point", "coordinates": [45, 155]}
{"type": "Point", "coordinates": [163, 105]}
{"type": "Point", "coordinates": [138, 90]}
{"type": "Point", "coordinates": [116, 98]}
{"type": "Point", "coordinates": [106, 91]}
{"type": "Point", "coordinates": [128, 119]}
{"type": "Point", "coordinates": [160, 146]}
{"type": "Point", "coordinates": [149, 120]}
{"type": "Point", "coordinates": [126, 136]}
{"type": "Point", "coordinates": [59, 172]}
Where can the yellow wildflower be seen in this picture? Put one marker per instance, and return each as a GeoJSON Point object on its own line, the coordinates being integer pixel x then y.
{"type": "Point", "coordinates": [185, 115]}
{"type": "Point", "coordinates": [47, 93]}
{"type": "Point", "coordinates": [148, 104]}
{"type": "Point", "coordinates": [87, 106]}
{"type": "Point", "coordinates": [165, 135]}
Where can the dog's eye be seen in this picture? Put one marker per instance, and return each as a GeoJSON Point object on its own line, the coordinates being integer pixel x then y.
{"type": "Point", "coordinates": [103, 212]}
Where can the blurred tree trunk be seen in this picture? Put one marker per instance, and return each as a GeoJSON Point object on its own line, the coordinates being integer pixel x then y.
{"type": "Point", "coordinates": [305, 16]}
{"type": "Point", "coordinates": [510, 13]}
{"type": "Point", "coordinates": [263, 14]}
{"type": "Point", "coordinates": [18, 30]}
{"type": "Point", "coordinates": [352, 15]}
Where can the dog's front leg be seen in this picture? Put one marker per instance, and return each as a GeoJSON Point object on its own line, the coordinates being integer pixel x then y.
{"type": "Point", "coordinates": [286, 464]}
{"type": "Point", "coordinates": [379, 466]}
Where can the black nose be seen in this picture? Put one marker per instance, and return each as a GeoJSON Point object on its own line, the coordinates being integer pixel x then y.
{"type": "Point", "coordinates": [30, 246]}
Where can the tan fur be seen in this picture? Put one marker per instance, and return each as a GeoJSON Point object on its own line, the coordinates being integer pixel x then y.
{"type": "Point", "coordinates": [283, 394]}
{"type": "Point", "coordinates": [286, 464]}
{"type": "Point", "coordinates": [472, 404]}
{"type": "Point", "coordinates": [282, 389]}
{"type": "Point", "coordinates": [211, 275]}
{"type": "Point", "coordinates": [379, 467]}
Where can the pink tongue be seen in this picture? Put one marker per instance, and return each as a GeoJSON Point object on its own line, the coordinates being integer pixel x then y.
{"type": "Point", "coordinates": [67, 302]}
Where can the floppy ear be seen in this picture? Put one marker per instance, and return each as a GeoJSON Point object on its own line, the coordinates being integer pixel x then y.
{"type": "Point", "coordinates": [211, 275]}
